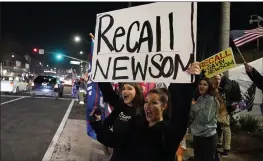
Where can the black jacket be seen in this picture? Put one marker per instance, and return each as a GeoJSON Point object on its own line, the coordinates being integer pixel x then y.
{"type": "Point", "coordinates": [133, 140]}
{"type": "Point", "coordinates": [127, 124]}
{"type": "Point", "coordinates": [163, 139]}
{"type": "Point", "coordinates": [256, 78]}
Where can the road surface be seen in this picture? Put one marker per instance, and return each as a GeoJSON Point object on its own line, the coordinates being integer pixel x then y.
{"type": "Point", "coordinates": [29, 124]}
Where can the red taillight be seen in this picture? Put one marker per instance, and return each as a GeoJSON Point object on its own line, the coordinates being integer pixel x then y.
{"type": "Point", "coordinates": [11, 83]}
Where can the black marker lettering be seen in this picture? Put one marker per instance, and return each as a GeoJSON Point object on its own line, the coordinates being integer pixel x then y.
{"type": "Point", "coordinates": [101, 35]}
{"type": "Point", "coordinates": [171, 67]}
{"type": "Point", "coordinates": [171, 30]}
{"type": "Point", "coordinates": [158, 34]}
{"type": "Point", "coordinates": [98, 65]}
{"type": "Point", "coordinates": [139, 67]}
{"type": "Point", "coordinates": [149, 38]}
{"type": "Point", "coordinates": [118, 35]}
{"type": "Point", "coordinates": [156, 65]}
{"type": "Point", "coordinates": [129, 49]}
{"type": "Point", "coordinates": [115, 68]}
{"type": "Point", "coordinates": [177, 61]}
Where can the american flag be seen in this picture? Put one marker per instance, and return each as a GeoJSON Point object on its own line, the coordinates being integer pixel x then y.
{"type": "Point", "coordinates": [249, 96]}
{"type": "Point", "coordinates": [241, 37]}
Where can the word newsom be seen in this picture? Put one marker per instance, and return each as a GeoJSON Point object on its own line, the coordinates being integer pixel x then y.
{"type": "Point", "coordinates": [141, 66]}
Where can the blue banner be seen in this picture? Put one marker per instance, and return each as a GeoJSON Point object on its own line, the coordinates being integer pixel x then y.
{"type": "Point", "coordinates": [94, 99]}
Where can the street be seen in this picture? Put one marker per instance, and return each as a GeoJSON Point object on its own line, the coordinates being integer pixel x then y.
{"type": "Point", "coordinates": [29, 124]}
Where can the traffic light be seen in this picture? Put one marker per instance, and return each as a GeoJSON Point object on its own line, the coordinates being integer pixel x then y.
{"type": "Point", "coordinates": [59, 56]}
{"type": "Point", "coordinates": [35, 50]}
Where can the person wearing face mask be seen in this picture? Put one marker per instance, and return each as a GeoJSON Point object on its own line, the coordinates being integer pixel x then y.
{"type": "Point", "coordinates": [157, 140]}
{"type": "Point", "coordinates": [204, 115]}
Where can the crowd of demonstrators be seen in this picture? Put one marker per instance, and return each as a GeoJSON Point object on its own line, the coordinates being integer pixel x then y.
{"type": "Point", "coordinates": [152, 125]}
{"type": "Point", "coordinates": [140, 132]}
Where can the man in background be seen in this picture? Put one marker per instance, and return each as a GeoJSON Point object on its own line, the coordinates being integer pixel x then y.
{"type": "Point", "coordinates": [231, 93]}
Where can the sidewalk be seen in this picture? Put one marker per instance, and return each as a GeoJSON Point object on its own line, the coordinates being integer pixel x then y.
{"type": "Point", "coordinates": [75, 145]}
{"type": "Point", "coordinates": [190, 153]}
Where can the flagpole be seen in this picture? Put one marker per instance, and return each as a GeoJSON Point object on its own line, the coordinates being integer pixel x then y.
{"type": "Point", "coordinates": [239, 52]}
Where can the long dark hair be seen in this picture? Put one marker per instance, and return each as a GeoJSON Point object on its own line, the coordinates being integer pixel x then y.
{"type": "Point", "coordinates": [138, 100]}
{"type": "Point", "coordinates": [211, 90]}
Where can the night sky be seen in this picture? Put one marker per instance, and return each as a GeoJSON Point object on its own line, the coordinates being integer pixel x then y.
{"type": "Point", "coordinates": [52, 25]}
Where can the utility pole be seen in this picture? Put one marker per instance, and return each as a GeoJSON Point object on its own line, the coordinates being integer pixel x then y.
{"type": "Point", "coordinates": [225, 27]}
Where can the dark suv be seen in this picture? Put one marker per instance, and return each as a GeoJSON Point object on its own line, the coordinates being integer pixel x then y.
{"type": "Point", "coordinates": [47, 85]}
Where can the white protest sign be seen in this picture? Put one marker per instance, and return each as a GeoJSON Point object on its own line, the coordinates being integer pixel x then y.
{"type": "Point", "coordinates": [149, 43]}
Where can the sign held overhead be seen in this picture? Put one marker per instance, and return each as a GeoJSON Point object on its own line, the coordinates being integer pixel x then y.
{"type": "Point", "coordinates": [156, 44]}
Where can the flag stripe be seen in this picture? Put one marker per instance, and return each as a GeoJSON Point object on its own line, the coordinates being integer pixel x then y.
{"type": "Point", "coordinates": [245, 37]}
{"type": "Point", "coordinates": [248, 40]}
{"type": "Point", "coordinates": [241, 37]}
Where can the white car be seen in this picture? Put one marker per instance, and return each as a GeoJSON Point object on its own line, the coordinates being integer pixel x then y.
{"type": "Point", "coordinates": [13, 84]}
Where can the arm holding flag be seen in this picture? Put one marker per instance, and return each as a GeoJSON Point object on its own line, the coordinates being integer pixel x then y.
{"type": "Point", "coordinates": [254, 76]}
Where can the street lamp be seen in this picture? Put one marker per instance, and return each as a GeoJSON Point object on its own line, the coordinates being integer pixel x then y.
{"type": "Point", "coordinates": [77, 39]}
{"type": "Point", "coordinates": [47, 65]}
{"type": "Point", "coordinates": [257, 19]}
{"type": "Point", "coordinates": [81, 52]}
{"type": "Point", "coordinates": [13, 56]}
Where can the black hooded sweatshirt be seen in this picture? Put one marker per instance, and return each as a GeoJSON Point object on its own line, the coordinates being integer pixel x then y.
{"type": "Point", "coordinates": [133, 140]}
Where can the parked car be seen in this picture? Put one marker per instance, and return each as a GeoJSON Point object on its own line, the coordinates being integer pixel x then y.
{"type": "Point", "coordinates": [13, 84]}
{"type": "Point", "coordinates": [48, 86]}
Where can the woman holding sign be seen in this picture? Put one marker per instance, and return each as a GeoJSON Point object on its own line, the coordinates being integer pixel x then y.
{"type": "Point", "coordinates": [155, 139]}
